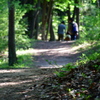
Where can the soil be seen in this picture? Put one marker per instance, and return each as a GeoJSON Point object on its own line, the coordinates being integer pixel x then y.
{"type": "Point", "coordinates": [55, 54]}
{"type": "Point", "coordinates": [19, 84]}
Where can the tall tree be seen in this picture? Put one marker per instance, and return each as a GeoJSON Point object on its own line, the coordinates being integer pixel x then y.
{"type": "Point", "coordinates": [52, 36]}
{"type": "Point", "coordinates": [11, 35]}
{"type": "Point", "coordinates": [47, 13]}
{"type": "Point", "coordinates": [77, 14]}
{"type": "Point", "coordinates": [35, 26]}
{"type": "Point", "coordinates": [68, 11]}
{"type": "Point", "coordinates": [44, 18]}
{"type": "Point", "coordinates": [49, 21]}
{"type": "Point", "coordinates": [32, 17]}
{"type": "Point", "coordinates": [77, 11]}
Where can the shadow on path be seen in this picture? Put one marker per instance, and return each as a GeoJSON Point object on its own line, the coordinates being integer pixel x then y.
{"type": "Point", "coordinates": [58, 53]}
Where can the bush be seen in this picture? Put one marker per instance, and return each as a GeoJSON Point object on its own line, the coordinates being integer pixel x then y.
{"type": "Point", "coordinates": [22, 42]}
{"type": "Point", "coordinates": [90, 31]}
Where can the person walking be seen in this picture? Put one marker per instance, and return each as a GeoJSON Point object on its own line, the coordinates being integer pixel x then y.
{"type": "Point", "coordinates": [72, 28]}
{"type": "Point", "coordinates": [61, 28]}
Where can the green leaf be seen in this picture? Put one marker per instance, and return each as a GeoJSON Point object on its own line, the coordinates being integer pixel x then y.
{"type": "Point", "coordinates": [94, 1]}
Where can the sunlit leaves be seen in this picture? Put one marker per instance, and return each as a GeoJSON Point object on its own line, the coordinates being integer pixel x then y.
{"type": "Point", "coordinates": [94, 1]}
{"type": "Point", "coordinates": [61, 7]}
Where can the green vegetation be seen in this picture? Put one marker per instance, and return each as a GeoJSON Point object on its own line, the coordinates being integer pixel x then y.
{"type": "Point", "coordinates": [95, 59]}
{"type": "Point", "coordinates": [89, 25]}
{"type": "Point", "coordinates": [24, 61]}
{"type": "Point", "coordinates": [38, 19]}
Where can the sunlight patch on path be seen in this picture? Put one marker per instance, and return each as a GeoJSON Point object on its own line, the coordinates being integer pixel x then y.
{"type": "Point", "coordinates": [61, 52]}
{"type": "Point", "coordinates": [13, 83]}
{"type": "Point", "coordinates": [11, 71]}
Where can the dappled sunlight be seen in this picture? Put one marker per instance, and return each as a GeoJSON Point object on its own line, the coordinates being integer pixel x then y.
{"type": "Point", "coordinates": [40, 50]}
{"type": "Point", "coordinates": [11, 71]}
{"type": "Point", "coordinates": [19, 77]}
{"type": "Point", "coordinates": [5, 82]}
{"type": "Point", "coordinates": [63, 49]}
{"type": "Point", "coordinates": [19, 82]}
{"type": "Point", "coordinates": [57, 55]}
{"type": "Point", "coordinates": [85, 45]}
{"type": "Point", "coordinates": [61, 52]}
{"type": "Point", "coordinates": [13, 83]}
{"type": "Point", "coordinates": [22, 52]}
{"type": "Point", "coordinates": [60, 49]}
{"type": "Point", "coordinates": [51, 67]}
{"type": "Point", "coordinates": [29, 51]}
{"type": "Point", "coordinates": [74, 48]}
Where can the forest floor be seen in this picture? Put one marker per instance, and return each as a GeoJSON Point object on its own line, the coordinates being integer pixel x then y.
{"type": "Point", "coordinates": [30, 83]}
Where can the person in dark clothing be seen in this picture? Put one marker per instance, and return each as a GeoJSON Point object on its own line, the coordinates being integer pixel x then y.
{"type": "Point", "coordinates": [72, 28]}
{"type": "Point", "coordinates": [61, 28]}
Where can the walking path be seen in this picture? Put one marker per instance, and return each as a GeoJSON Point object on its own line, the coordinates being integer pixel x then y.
{"type": "Point", "coordinates": [18, 84]}
{"type": "Point", "coordinates": [55, 53]}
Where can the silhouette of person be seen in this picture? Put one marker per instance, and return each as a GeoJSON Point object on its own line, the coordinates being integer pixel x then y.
{"type": "Point", "coordinates": [61, 28]}
{"type": "Point", "coordinates": [72, 28]}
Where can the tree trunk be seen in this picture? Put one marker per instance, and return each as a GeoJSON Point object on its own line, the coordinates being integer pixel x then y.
{"type": "Point", "coordinates": [74, 12]}
{"type": "Point", "coordinates": [52, 36]}
{"type": "Point", "coordinates": [30, 23]}
{"type": "Point", "coordinates": [77, 15]}
{"type": "Point", "coordinates": [11, 36]}
{"type": "Point", "coordinates": [30, 17]}
{"type": "Point", "coordinates": [68, 11]}
{"type": "Point", "coordinates": [36, 26]}
{"type": "Point", "coordinates": [98, 3]}
{"type": "Point", "coordinates": [44, 18]}
{"type": "Point", "coordinates": [36, 21]}
{"type": "Point", "coordinates": [49, 17]}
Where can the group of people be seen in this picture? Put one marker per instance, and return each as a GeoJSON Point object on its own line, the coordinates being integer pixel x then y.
{"type": "Point", "coordinates": [71, 32]}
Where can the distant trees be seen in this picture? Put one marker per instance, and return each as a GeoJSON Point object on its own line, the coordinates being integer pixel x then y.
{"type": "Point", "coordinates": [41, 17]}
{"type": "Point", "coordinates": [47, 13]}
{"type": "Point", "coordinates": [98, 3]}
{"type": "Point", "coordinates": [75, 12]}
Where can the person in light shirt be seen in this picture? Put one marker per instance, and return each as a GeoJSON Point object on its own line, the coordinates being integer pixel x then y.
{"type": "Point", "coordinates": [72, 28]}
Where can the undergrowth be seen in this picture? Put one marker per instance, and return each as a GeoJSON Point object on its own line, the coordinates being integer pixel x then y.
{"type": "Point", "coordinates": [92, 55]}
{"type": "Point", "coordinates": [24, 61]}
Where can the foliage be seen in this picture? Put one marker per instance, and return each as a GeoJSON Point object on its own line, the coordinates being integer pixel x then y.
{"type": "Point", "coordinates": [76, 81]}
{"type": "Point", "coordinates": [81, 83]}
{"type": "Point", "coordinates": [24, 61]}
{"type": "Point", "coordinates": [65, 69]}
{"type": "Point", "coordinates": [3, 25]}
{"type": "Point", "coordinates": [90, 31]}
{"type": "Point", "coordinates": [93, 58]}
{"type": "Point", "coordinates": [22, 42]}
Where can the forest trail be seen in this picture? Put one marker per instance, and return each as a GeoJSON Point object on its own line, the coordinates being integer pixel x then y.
{"type": "Point", "coordinates": [51, 54]}
{"type": "Point", "coordinates": [19, 84]}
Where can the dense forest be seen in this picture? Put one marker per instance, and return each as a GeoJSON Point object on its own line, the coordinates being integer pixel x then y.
{"type": "Point", "coordinates": [24, 22]}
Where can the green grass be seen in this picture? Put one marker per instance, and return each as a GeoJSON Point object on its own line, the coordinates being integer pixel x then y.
{"type": "Point", "coordinates": [23, 61]}
{"type": "Point", "coordinates": [24, 57]}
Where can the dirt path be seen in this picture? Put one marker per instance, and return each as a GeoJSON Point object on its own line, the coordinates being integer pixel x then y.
{"type": "Point", "coordinates": [18, 84]}
{"type": "Point", "coordinates": [57, 53]}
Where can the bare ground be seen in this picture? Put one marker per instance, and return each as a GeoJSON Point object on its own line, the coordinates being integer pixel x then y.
{"type": "Point", "coordinates": [56, 53]}
{"type": "Point", "coordinates": [19, 84]}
